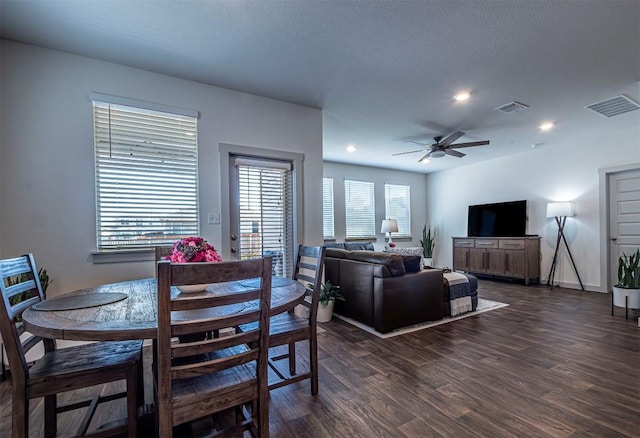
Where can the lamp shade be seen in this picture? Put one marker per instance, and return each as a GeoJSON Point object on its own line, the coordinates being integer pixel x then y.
{"type": "Point", "coordinates": [559, 209]}
{"type": "Point", "coordinates": [389, 226]}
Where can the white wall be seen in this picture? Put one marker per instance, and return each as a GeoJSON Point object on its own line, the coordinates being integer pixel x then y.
{"type": "Point", "coordinates": [560, 172]}
{"type": "Point", "coordinates": [47, 167]}
{"type": "Point", "coordinates": [339, 172]}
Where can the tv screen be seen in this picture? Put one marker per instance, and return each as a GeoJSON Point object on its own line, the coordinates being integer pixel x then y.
{"type": "Point", "coordinates": [505, 219]}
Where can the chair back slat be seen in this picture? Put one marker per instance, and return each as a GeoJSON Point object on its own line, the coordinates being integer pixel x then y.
{"type": "Point", "coordinates": [185, 327]}
{"type": "Point", "coordinates": [198, 302]}
{"type": "Point", "coordinates": [214, 365]}
{"type": "Point", "coordinates": [189, 315]}
{"type": "Point", "coordinates": [16, 298]}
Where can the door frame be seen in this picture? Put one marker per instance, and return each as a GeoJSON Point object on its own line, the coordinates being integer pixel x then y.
{"type": "Point", "coordinates": [604, 175]}
{"type": "Point", "coordinates": [296, 159]}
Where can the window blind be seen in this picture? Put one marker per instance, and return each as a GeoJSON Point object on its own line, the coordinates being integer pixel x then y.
{"type": "Point", "coordinates": [266, 212]}
{"type": "Point", "coordinates": [327, 208]}
{"type": "Point", "coordinates": [146, 165]}
{"type": "Point", "coordinates": [397, 200]}
{"type": "Point", "coordinates": [359, 209]}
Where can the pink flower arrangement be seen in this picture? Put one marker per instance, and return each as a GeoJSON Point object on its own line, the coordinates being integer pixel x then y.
{"type": "Point", "coordinates": [193, 249]}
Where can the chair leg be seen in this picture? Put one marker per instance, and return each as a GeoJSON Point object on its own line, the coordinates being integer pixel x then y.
{"type": "Point", "coordinates": [20, 414]}
{"type": "Point", "coordinates": [50, 416]}
{"type": "Point", "coordinates": [133, 388]}
{"type": "Point", "coordinates": [140, 371]}
{"type": "Point", "coordinates": [292, 358]}
{"type": "Point", "coordinates": [313, 363]}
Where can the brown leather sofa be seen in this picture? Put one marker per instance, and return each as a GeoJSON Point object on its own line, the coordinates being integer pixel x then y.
{"type": "Point", "coordinates": [385, 291]}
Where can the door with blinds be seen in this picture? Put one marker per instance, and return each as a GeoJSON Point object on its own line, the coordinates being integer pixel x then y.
{"type": "Point", "coordinates": [261, 202]}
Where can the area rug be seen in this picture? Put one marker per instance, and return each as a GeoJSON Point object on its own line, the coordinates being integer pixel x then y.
{"type": "Point", "coordinates": [483, 306]}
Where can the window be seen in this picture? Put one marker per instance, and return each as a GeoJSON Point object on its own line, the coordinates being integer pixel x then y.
{"type": "Point", "coordinates": [327, 208]}
{"type": "Point", "coordinates": [397, 206]}
{"type": "Point", "coordinates": [146, 164]}
{"type": "Point", "coordinates": [264, 211]}
{"type": "Point", "coordinates": [359, 210]}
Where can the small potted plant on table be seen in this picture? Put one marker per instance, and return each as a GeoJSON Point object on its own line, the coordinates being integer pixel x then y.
{"type": "Point", "coordinates": [627, 292]}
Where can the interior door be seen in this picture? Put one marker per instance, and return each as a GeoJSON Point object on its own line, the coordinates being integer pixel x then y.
{"type": "Point", "coordinates": [624, 217]}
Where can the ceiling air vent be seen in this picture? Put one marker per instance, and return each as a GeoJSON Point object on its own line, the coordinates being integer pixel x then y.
{"type": "Point", "coordinates": [614, 106]}
{"type": "Point", "coordinates": [512, 107]}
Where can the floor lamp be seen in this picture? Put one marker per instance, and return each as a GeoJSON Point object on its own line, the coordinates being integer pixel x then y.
{"type": "Point", "coordinates": [560, 211]}
{"type": "Point", "coordinates": [389, 226]}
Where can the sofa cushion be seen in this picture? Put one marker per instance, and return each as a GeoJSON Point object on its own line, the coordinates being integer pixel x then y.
{"type": "Point", "coordinates": [359, 246]}
{"type": "Point", "coordinates": [393, 262]}
{"type": "Point", "coordinates": [336, 253]}
{"type": "Point", "coordinates": [339, 245]}
{"type": "Point", "coordinates": [412, 263]}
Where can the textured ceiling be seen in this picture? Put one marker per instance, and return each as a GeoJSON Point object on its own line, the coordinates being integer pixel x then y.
{"type": "Point", "coordinates": [382, 71]}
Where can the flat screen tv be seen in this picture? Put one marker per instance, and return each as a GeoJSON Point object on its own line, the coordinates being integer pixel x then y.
{"type": "Point", "coordinates": [505, 219]}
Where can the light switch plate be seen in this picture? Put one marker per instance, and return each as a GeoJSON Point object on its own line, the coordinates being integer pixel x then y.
{"type": "Point", "coordinates": [214, 218]}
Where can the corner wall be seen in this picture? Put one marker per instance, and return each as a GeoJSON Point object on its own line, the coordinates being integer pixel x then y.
{"type": "Point", "coordinates": [556, 172]}
{"type": "Point", "coordinates": [47, 168]}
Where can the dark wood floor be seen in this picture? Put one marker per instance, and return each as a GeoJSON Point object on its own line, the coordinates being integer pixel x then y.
{"type": "Point", "coordinates": [555, 363]}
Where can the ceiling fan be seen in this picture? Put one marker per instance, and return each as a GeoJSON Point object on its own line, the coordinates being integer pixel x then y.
{"type": "Point", "coordinates": [444, 147]}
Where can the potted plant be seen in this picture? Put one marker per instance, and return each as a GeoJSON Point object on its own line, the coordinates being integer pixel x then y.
{"type": "Point", "coordinates": [329, 293]}
{"type": "Point", "coordinates": [428, 243]}
{"type": "Point", "coordinates": [627, 292]}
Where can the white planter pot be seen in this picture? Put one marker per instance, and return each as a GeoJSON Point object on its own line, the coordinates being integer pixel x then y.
{"type": "Point", "coordinates": [428, 262]}
{"type": "Point", "coordinates": [620, 293]}
{"type": "Point", "coordinates": [325, 311]}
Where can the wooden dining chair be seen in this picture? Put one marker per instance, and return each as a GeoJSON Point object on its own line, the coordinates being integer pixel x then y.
{"type": "Point", "coordinates": [162, 252]}
{"type": "Point", "coordinates": [208, 376]}
{"type": "Point", "coordinates": [61, 370]}
{"type": "Point", "coordinates": [288, 329]}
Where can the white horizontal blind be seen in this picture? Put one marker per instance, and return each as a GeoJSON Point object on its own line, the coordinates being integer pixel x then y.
{"type": "Point", "coordinates": [146, 165]}
{"type": "Point", "coordinates": [266, 212]}
{"type": "Point", "coordinates": [359, 209]}
{"type": "Point", "coordinates": [397, 202]}
{"type": "Point", "coordinates": [327, 208]}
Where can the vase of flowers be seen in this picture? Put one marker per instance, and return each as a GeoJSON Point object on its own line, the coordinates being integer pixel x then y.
{"type": "Point", "coordinates": [193, 250]}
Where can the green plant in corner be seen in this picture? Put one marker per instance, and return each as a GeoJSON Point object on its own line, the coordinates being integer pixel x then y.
{"type": "Point", "coordinates": [329, 292]}
{"type": "Point", "coordinates": [428, 242]}
{"type": "Point", "coordinates": [628, 271]}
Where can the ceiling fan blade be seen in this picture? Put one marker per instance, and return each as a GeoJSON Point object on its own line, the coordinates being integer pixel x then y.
{"type": "Point", "coordinates": [454, 153]}
{"type": "Point", "coordinates": [409, 152]}
{"type": "Point", "coordinates": [417, 142]}
{"type": "Point", "coordinates": [470, 144]}
{"type": "Point", "coordinates": [453, 137]}
{"type": "Point", "coordinates": [424, 157]}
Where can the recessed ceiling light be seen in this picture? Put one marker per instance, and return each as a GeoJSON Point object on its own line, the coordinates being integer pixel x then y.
{"type": "Point", "coordinates": [462, 96]}
{"type": "Point", "coordinates": [351, 148]}
{"type": "Point", "coordinates": [546, 126]}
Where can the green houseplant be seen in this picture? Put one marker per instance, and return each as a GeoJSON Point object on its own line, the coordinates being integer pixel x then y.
{"type": "Point", "coordinates": [627, 292]}
{"type": "Point", "coordinates": [329, 293]}
{"type": "Point", "coordinates": [428, 243]}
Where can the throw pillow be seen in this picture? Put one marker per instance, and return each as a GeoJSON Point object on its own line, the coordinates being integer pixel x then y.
{"type": "Point", "coordinates": [412, 263]}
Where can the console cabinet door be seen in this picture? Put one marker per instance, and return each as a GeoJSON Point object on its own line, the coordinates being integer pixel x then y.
{"type": "Point", "coordinates": [494, 261]}
{"type": "Point", "coordinates": [514, 263]}
{"type": "Point", "coordinates": [477, 260]}
{"type": "Point", "coordinates": [461, 259]}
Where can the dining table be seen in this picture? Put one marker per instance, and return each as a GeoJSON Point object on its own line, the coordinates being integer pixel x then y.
{"type": "Point", "coordinates": [129, 309]}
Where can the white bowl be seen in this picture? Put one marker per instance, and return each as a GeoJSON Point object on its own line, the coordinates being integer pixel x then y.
{"type": "Point", "coordinates": [192, 288]}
